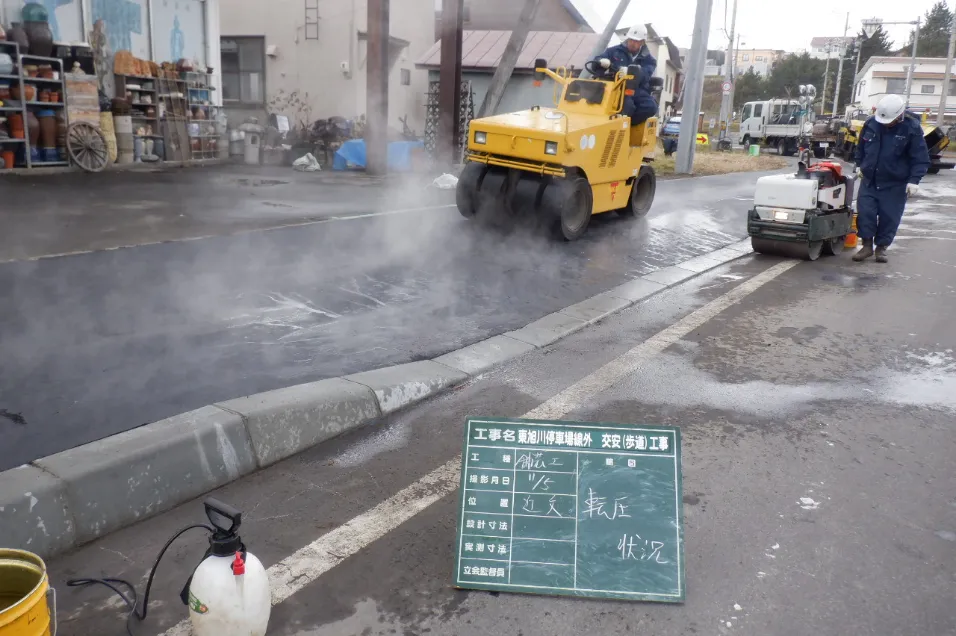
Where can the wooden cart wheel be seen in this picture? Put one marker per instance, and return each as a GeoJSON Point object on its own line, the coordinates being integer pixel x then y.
{"type": "Point", "coordinates": [87, 147]}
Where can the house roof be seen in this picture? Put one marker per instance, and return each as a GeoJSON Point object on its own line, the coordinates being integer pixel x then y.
{"type": "Point", "coordinates": [483, 49]}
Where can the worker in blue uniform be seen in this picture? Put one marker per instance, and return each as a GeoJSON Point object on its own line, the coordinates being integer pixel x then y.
{"type": "Point", "coordinates": [891, 159]}
{"type": "Point", "coordinates": [641, 106]}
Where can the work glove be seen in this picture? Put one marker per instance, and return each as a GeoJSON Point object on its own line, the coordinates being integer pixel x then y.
{"type": "Point", "coordinates": [605, 63]}
{"type": "Point", "coordinates": [912, 189]}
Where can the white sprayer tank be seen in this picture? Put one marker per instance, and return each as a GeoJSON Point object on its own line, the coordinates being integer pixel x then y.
{"type": "Point", "coordinates": [221, 602]}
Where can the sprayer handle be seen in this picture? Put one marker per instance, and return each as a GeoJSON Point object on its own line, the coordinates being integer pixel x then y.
{"type": "Point", "coordinates": [216, 510]}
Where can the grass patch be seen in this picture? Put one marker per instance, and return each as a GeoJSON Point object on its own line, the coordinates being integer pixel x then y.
{"type": "Point", "coordinates": [709, 163]}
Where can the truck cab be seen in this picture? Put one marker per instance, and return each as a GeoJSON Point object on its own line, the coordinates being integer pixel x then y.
{"type": "Point", "coordinates": [775, 123]}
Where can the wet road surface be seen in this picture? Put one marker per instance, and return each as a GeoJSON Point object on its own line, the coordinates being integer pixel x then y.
{"type": "Point", "coordinates": [817, 422]}
{"type": "Point", "coordinates": [100, 343]}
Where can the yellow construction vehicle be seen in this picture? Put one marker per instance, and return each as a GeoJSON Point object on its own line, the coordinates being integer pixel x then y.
{"type": "Point", "coordinates": [562, 165]}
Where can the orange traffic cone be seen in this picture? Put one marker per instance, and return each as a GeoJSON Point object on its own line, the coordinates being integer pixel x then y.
{"type": "Point", "coordinates": [851, 237]}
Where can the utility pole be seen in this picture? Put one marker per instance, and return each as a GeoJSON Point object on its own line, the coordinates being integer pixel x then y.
{"type": "Point", "coordinates": [376, 89]}
{"type": "Point", "coordinates": [949, 73]}
{"type": "Point", "coordinates": [912, 71]}
{"type": "Point", "coordinates": [856, 72]}
{"type": "Point", "coordinates": [608, 32]}
{"type": "Point", "coordinates": [839, 81]}
{"type": "Point", "coordinates": [726, 103]}
{"type": "Point", "coordinates": [826, 80]}
{"type": "Point", "coordinates": [509, 58]}
{"type": "Point", "coordinates": [449, 82]}
{"type": "Point", "coordinates": [694, 91]}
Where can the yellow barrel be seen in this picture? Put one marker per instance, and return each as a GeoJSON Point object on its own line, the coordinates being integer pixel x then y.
{"type": "Point", "coordinates": [24, 590]}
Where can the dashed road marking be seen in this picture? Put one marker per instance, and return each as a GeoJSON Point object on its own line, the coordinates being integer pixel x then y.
{"type": "Point", "coordinates": [306, 565]}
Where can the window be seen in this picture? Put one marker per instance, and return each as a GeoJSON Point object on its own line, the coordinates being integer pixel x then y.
{"type": "Point", "coordinates": [243, 70]}
{"type": "Point", "coordinates": [952, 88]}
{"type": "Point", "coordinates": [406, 77]}
{"type": "Point", "coordinates": [758, 110]}
{"type": "Point", "coordinates": [758, 58]}
{"type": "Point", "coordinates": [896, 86]}
{"type": "Point", "coordinates": [927, 89]}
{"type": "Point", "coordinates": [747, 112]}
{"type": "Point", "coordinates": [746, 57]}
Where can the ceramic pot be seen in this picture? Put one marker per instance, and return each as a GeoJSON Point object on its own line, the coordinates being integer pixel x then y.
{"type": "Point", "coordinates": [34, 125]}
{"type": "Point", "coordinates": [4, 92]}
{"type": "Point", "coordinates": [15, 125]}
{"type": "Point", "coordinates": [29, 92]}
{"type": "Point", "coordinates": [6, 64]}
{"type": "Point", "coordinates": [44, 96]}
{"type": "Point", "coordinates": [41, 38]}
{"type": "Point", "coordinates": [17, 34]}
{"type": "Point", "coordinates": [7, 159]}
{"type": "Point", "coordinates": [47, 122]}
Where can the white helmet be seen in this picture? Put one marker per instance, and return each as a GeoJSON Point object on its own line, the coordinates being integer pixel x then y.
{"type": "Point", "coordinates": [637, 32]}
{"type": "Point", "coordinates": [889, 109]}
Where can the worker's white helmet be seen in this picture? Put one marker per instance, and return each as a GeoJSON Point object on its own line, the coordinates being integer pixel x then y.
{"type": "Point", "coordinates": [889, 109]}
{"type": "Point", "coordinates": [637, 32]}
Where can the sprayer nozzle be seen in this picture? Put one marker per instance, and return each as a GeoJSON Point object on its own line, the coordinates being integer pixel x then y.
{"type": "Point", "coordinates": [238, 565]}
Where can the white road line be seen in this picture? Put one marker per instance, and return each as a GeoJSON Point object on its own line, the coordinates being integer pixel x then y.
{"type": "Point", "coordinates": [186, 239]}
{"type": "Point", "coordinates": [306, 565]}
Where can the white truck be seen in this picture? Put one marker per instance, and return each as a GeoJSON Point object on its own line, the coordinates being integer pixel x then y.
{"type": "Point", "coordinates": [776, 123]}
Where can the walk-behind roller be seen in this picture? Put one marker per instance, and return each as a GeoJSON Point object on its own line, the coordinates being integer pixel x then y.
{"type": "Point", "coordinates": [560, 166]}
{"type": "Point", "coordinates": [802, 215]}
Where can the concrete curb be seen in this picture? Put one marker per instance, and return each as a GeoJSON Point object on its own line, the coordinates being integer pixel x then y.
{"type": "Point", "coordinates": [69, 499]}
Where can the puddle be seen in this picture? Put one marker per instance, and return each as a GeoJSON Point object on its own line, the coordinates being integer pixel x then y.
{"type": "Point", "coordinates": [925, 379]}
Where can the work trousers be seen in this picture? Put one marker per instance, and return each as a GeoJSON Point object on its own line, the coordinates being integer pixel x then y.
{"type": "Point", "coordinates": [879, 212]}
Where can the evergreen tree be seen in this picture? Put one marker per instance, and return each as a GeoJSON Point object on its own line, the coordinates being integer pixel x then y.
{"type": "Point", "coordinates": [750, 87]}
{"type": "Point", "coordinates": [794, 70]}
{"type": "Point", "coordinates": [934, 32]}
{"type": "Point", "coordinates": [878, 45]}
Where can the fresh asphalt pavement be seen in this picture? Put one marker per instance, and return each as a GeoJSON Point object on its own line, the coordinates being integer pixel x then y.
{"type": "Point", "coordinates": [819, 489]}
{"type": "Point", "coordinates": [99, 343]}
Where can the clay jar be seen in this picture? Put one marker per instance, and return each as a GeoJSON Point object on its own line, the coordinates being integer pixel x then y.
{"type": "Point", "coordinates": [34, 125]}
{"type": "Point", "coordinates": [15, 125]}
{"type": "Point", "coordinates": [29, 92]}
{"type": "Point", "coordinates": [41, 38]}
{"type": "Point", "coordinates": [47, 120]}
{"type": "Point", "coordinates": [16, 34]}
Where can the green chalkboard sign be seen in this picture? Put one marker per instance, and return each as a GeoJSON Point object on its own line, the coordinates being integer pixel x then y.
{"type": "Point", "coordinates": [572, 509]}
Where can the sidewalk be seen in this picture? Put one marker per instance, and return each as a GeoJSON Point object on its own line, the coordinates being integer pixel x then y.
{"type": "Point", "coordinates": [55, 214]}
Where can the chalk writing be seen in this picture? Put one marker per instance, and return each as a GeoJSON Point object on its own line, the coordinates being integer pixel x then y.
{"type": "Point", "coordinates": [650, 550]}
{"type": "Point", "coordinates": [596, 507]}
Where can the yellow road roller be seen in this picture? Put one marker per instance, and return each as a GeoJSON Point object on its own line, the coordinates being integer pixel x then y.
{"type": "Point", "coordinates": [559, 166]}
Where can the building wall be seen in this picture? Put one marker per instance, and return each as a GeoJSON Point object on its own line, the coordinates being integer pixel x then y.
{"type": "Point", "coordinates": [180, 28]}
{"type": "Point", "coordinates": [521, 93]}
{"type": "Point", "coordinates": [502, 15]}
{"type": "Point", "coordinates": [314, 67]}
{"type": "Point", "coordinates": [870, 88]}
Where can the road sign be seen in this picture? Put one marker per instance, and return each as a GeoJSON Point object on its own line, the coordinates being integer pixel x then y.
{"type": "Point", "coordinates": [727, 87]}
{"type": "Point", "coordinates": [571, 509]}
{"type": "Point", "coordinates": [702, 139]}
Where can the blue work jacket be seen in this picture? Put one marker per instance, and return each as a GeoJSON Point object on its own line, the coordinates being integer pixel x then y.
{"type": "Point", "coordinates": [642, 101]}
{"type": "Point", "coordinates": [892, 157]}
{"type": "Point", "coordinates": [621, 58]}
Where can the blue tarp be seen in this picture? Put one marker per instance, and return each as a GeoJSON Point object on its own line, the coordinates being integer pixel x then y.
{"type": "Point", "coordinates": [352, 155]}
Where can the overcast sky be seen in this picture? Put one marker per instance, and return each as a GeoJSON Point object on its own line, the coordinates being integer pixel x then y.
{"type": "Point", "coordinates": [759, 27]}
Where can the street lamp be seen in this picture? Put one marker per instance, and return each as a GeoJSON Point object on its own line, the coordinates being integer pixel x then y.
{"type": "Point", "coordinates": [870, 27]}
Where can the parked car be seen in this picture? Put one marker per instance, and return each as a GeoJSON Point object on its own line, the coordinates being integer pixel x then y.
{"type": "Point", "coordinates": [671, 128]}
{"type": "Point", "coordinates": [669, 134]}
